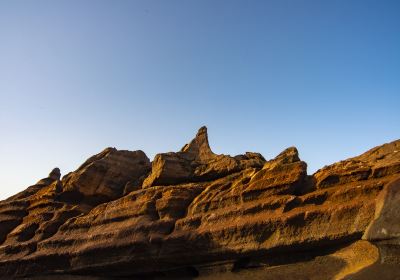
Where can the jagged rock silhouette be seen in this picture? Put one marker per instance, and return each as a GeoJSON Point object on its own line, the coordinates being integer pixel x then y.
{"type": "Point", "coordinates": [195, 213]}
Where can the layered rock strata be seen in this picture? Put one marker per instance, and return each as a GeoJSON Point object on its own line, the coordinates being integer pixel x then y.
{"type": "Point", "coordinates": [195, 213]}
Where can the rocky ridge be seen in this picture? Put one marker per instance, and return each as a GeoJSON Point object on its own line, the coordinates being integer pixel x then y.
{"type": "Point", "coordinates": [194, 213]}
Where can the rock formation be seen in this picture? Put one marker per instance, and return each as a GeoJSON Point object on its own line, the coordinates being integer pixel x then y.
{"type": "Point", "coordinates": [196, 162]}
{"type": "Point", "coordinates": [194, 213]}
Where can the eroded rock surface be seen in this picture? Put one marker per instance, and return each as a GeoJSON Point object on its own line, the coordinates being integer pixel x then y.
{"type": "Point", "coordinates": [194, 212]}
{"type": "Point", "coordinates": [105, 175]}
{"type": "Point", "coordinates": [386, 224]}
{"type": "Point", "coordinates": [196, 162]}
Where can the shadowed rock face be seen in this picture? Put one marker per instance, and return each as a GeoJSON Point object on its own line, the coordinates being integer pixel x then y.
{"type": "Point", "coordinates": [195, 213]}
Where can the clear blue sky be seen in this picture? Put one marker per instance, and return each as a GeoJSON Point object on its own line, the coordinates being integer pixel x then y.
{"type": "Point", "coordinates": [78, 76]}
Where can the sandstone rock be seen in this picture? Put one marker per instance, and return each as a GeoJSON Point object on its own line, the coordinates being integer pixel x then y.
{"type": "Point", "coordinates": [104, 176]}
{"type": "Point", "coordinates": [38, 212]}
{"type": "Point", "coordinates": [386, 224]}
{"type": "Point", "coordinates": [384, 233]}
{"type": "Point", "coordinates": [335, 264]}
{"type": "Point", "coordinates": [378, 162]}
{"type": "Point", "coordinates": [198, 149]}
{"type": "Point", "coordinates": [55, 174]}
{"type": "Point", "coordinates": [196, 213]}
{"type": "Point", "coordinates": [196, 162]}
{"type": "Point", "coordinates": [14, 210]}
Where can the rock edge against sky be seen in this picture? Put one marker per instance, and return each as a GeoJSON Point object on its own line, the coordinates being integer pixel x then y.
{"type": "Point", "coordinates": [194, 213]}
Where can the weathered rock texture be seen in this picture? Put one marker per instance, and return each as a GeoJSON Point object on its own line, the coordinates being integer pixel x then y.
{"type": "Point", "coordinates": [195, 213]}
{"type": "Point", "coordinates": [196, 163]}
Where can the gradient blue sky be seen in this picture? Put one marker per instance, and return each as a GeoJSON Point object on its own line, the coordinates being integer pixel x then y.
{"type": "Point", "coordinates": [78, 76]}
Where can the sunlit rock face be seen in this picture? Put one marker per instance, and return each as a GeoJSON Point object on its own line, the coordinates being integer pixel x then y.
{"type": "Point", "coordinates": [105, 175]}
{"type": "Point", "coordinates": [196, 162]}
{"type": "Point", "coordinates": [194, 213]}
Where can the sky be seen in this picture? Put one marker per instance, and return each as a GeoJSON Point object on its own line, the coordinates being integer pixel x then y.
{"type": "Point", "coordinates": [79, 76]}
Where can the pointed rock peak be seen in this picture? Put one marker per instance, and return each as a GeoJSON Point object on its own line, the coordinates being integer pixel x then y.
{"type": "Point", "coordinates": [55, 174]}
{"type": "Point", "coordinates": [199, 147]}
{"type": "Point", "coordinates": [289, 155]}
{"type": "Point", "coordinates": [202, 131]}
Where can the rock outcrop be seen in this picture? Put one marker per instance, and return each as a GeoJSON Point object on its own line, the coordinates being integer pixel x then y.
{"type": "Point", "coordinates": [104, 176]}
{"type": "Point", "coordinates": [196, 162]}
{"type": "Point", "coordinates": [194, 213]}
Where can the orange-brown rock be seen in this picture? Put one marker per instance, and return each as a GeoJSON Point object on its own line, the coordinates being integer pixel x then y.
{"type": "Point", "coordinates": [196, 162]}
{"type": "Point", "coordinates": [376, 163]}
{"type": "Point", "coordinates": [195, 213]}
{"type": "Point", "coordinates": [104, 176]}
